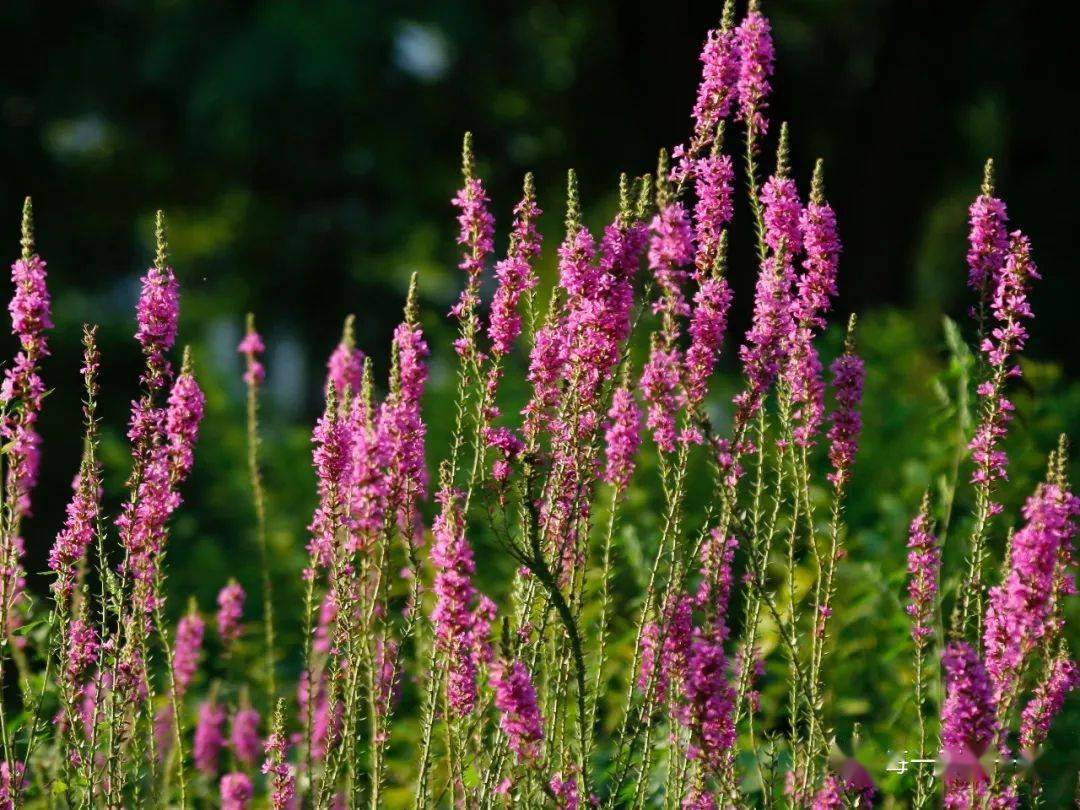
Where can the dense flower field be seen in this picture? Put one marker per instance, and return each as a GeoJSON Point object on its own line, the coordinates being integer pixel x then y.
{"type": "Point", "coordinates": [701, 680]}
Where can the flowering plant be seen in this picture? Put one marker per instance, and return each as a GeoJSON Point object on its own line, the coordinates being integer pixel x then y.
{"type": "Point", "coordinates": [523, 696]}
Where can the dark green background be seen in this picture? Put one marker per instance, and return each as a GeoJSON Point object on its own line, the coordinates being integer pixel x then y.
{"type": "Point", "coordinates": [305, 153]}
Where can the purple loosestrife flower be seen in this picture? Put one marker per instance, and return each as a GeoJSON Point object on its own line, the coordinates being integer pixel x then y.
{"type": "Point", "coordinates": [23, 390]}
{"type": "Point", "coordinates": [598, 318]}
{"type": "Point", "coordinates": [476, 230]}
{"type": "Point", "coordinates": [78, 533]}
{"type": "Point", "coordinates": [1010, 308]}
{"type": "Point", "coordinates": [710, 702]}
{"type": "Point", "coordinates": [82, 648]}
{"type": "Point", "coordinates": [754, 46]}
{"type": "Point", "coordinates": [452, 615]}
{"type": "Point", "coordinates": [967, 716]}
{"type": "Point", "coordinates": [782, 215]}
{"type": "Point", "coordinates": [773, 329]}
{"type": "Point", "coordinates": [236, 791]}
{"type": "Point", "coordinates": [244, 736]}
{"type": "Point", "coordinates": [483, 617]}
{"type": "Point", "coordinates": [659, 386]}
{"type": "Point", "coordinates": [578, 274]}
{"type": "Point", "coordinates": [369, 478]}
{"type": "Point", "coordinates": [333, 440]}
{"type": "Point", "coordinates": [707, 325]}
{"type": "Point", "coordinates": [714, 591]}
{"type": "Point", "coordinates": [988, 238]}
{"type": "Point", "coordinates": [664, 648]}
{"type": "Point", "coordinates": [719, 75]}
{"type": "Point", "coordinates": [230, 602]}
{"type": "Point", "coordinates": [509, 447]}
{"type": "Point", "coordinates": [821, 244]}
{"type": "Point", "coordinates": [515, 273]}
{"type": "Point", "coordinates": [566, 791]}
{"type": "Point", "coordinates": [11, 784]}
{"type": "Point", "coordinates": [30, 307]}
{"type": "Point", "coordinates": [187, 650]}
{"type": "Point", "coordinates": [830, 795]}
{"type": "Point", "coordinates": [622, 438]}
{"type": "Point", "coordinates": [143, 523]}
{"type": "Point", "coordinates": [847, 371]}
{"type": "Point", "coordinates": [182, 418]}
{"type": "Point", "coordinates": [345, 368]}
{"type": "Point", "coordinates": [547, 360]}
{"type": "Point", "coordinates": [714, 183]}
{"type": "Point", "coordinates": [924, 563]}
{"type": "Point", "coordinates": [802, 375]}
{"type": "Point", "coordinates": [594, 325]}
{"type": "Point", "coordinates": [401, 421]}
{"type": "Point", "coordinates": [208, 737]}
{"type": "Point", "coordinates": [519, 714]}
{"type": "Point", "coordinates": [252, 347]}
{"type": "Point", "coordinates": [671, 249]}
{"type": "Point", "coordinates": [157, 314]}
{"type": "Point", "coordinates": [1063, 676]}
{"type": "Point", "coordinates": [279, 773]}
{"type": "Point", "coordinates": [325, 722]}
{"type": "Point", "coordinates": [1019, 609]}
{"type": "Point", "coordinates": [816, 287]}
{"type": "Point", "coordinates": [699, 799]}
{"type": "Point", "coordinates": [768, 337]}
{"type": "Point", "coordinates": [838, 791]}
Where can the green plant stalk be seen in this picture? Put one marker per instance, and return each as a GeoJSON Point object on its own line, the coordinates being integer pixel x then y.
{"type": "Point", "coordinates": [178, 729]}
{"type": "Point", "coordinates": [258, 495]}
{"type": "Point", "coordinates": [605, 601]}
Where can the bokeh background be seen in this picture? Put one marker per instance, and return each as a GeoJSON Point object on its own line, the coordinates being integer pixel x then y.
{"type": "Point", "coordinates": [305, 154]}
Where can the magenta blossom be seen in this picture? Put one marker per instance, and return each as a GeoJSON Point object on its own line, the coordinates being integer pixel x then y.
{"type": "Point", "coordinates": [279, 772]}
{"type": "Point", "coordinates": [1063, 677]}
{"type": "Point", "coordinates": [236, 791]}
{"type": "Point", "coordinates": [719, 75]}
{"type": "Point", "coordinates": [230, 602]}
{"type": "Point", "coordinates": [1007, 338]}
{"type": "Point", "coordinates": [967, 716]}
{"type": "Point", "coordinates": [187, 649]}
{"type": "Point", "coordinates": [1019, 609]}
{"type": "Point", "coordinates": [659, 386]}
{"type": "Point", "coordinates": [622, 438]}
{"type": "Point", "coordinates": [452, 615]}
{"type": "Point", "coordinates": [924, 563]}
{"type": "Point", "coordinates": [252, 347]}
{"type": "Point", "coordinates": [345, 368]}
{"type": "Point", "coordinates": [710, 702]}
{"type": "Point", "coordinates": [519, 714]}
{"type": "Point", "coordinates": [244, 736]}
{"type": "Point", "coordinates": [714, 184]}
{"type": "Point", "coordinates": [847, 371]}
{"type": "Point", "coordinates": [707, 325]}
{"type": "Point", "coordinates": [755, 49]}
{"type": "Point", "coordinates": [515, 274]}
{"type": "Point", "coordinates": [671, 249]}
{"type": "Point", "coordinates": [209, 738]}
{"type": "Point", "coordinates": [664, 649]}
{"type": "Point", "coordinates": [988, 238]}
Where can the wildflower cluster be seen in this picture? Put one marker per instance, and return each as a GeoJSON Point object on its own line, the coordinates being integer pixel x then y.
{"type": "Point", "coordinates": [481, 620]}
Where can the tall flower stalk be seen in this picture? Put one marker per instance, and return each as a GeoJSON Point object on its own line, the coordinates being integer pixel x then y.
{"type": "Point", "coordinates": [662, 573]}
{"type": "Point", "coordinates": [252, 347]}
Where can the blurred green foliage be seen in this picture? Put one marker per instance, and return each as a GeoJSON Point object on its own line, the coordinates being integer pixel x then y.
{"type": "Point", "coordinates": [305, 154]}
